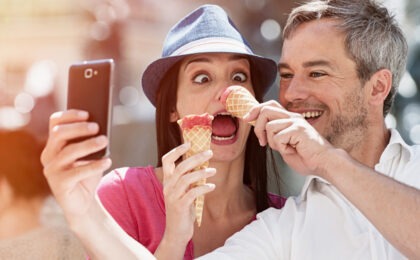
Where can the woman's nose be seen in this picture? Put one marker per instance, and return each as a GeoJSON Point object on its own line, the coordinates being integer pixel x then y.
{"type": "Point", "coordinates": [220, 91]}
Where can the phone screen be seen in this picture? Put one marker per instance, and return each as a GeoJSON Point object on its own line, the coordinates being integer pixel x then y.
{"type": "Point", "coordinates": [89, 89]}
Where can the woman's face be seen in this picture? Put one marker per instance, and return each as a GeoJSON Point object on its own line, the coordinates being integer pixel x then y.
{"type": "Point", "coordinates": [202, 78]}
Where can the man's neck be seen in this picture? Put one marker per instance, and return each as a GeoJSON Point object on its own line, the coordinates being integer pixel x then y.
{"type": "Point", "coordinates": [370, 149]}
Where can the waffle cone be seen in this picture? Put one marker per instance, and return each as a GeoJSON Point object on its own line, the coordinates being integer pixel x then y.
{"type": "Point", "coordinates": [199, 137]}
{"type": "Point", "coordinates": [240, 101]}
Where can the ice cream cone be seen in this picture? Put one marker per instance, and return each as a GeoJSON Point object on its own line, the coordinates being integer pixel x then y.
{"type": "Point", "coordinates": [196, 129]}
{"type": "Point", "coordinates": [238, 101]}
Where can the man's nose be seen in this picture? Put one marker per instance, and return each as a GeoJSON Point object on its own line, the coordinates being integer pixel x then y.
{"type": "Point", "coordinates": [296, 89]}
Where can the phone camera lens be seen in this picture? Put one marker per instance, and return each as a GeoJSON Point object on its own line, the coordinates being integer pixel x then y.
{"type": "Point", "coordinates": [88, 73]}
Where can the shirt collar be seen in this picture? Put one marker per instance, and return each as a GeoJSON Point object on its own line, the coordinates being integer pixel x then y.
{"type": "Point", "coordinates": [395, 146]}
{"type": "Point", "coordinates": [309, 179]}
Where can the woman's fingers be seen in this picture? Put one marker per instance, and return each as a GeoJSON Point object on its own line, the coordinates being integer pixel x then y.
{"type": "Point", "coordinates": [64, 126]}
{"type": "Point", "coordinates": [197, 191]}
{"type": "Point", "coordinates": [66, 117]}
{"type": "Point", "coordinates": [67, 179]}
{"type": "Point", "coordinates": [169, 159]}
{"type": "Point", "coordinates": [185, 182]}
{"type": "Point", "coordinates": [73, 152]}
{"type": "Point", "coordinates": [172, 172]}
{"type": "Point", "coordinates": [192, 162]}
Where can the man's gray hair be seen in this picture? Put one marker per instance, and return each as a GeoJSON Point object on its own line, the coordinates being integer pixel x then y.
{"type": "Point", "coordinates": [373, 38]}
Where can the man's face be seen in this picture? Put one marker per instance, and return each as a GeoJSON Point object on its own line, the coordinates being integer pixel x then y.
{"type": "Point", "coordinates": [319, 81]}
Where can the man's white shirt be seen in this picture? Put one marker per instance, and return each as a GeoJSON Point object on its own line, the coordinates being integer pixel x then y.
{"type": "Point", "coordinates": [321, 223]}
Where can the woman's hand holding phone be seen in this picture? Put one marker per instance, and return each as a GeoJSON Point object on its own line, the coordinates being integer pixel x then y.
{"type": "Point", "coordinates": [73, 181]}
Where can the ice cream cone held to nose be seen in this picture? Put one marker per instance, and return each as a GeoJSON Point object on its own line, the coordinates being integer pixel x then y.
{"type": "Point", "coordinates": [238, 101]}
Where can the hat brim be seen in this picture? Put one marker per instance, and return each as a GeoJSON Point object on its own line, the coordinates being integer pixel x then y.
{"type": "Point", "coordinates": [264, 69]}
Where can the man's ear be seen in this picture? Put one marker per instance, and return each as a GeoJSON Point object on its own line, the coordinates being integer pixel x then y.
{"type": "Point", "coordinates": [174, 116]}
{"type": "Point", "coordinates": [381, 84]}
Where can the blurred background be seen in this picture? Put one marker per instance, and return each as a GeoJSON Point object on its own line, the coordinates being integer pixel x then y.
{"type": "Point", "coordinates": [40, 39]}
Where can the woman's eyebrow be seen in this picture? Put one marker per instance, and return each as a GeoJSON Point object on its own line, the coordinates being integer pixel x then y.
{"type": "Point", "coordinates": [198, 59]}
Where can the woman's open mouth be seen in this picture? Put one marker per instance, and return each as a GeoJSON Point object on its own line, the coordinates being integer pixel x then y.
{"type": "Point", "coordinates": [225, 128]}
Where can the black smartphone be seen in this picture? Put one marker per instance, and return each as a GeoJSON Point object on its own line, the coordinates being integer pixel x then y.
{"type": "Point", "coordinates": [90, 89]}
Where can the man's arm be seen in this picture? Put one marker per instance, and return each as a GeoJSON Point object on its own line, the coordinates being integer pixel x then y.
{"type": "Point", "coordinates": [262, 239]}
{"type": "Point", "coordinates": [392, 207]}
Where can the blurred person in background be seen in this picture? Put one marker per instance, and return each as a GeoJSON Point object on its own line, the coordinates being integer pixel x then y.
{"type": "Point", "coordinates": [30, 226]}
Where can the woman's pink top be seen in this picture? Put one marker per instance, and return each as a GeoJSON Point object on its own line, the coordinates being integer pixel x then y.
{"type": "Point", "coordinates": [134, 198]}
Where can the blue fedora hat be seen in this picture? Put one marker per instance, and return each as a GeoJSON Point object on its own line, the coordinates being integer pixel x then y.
{"type": "Point", "coordinates": [208, 29]}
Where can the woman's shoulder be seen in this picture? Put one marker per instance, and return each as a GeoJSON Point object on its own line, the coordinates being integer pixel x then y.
{"type": "Point", "coordinates": [131, 186]}
{"type": "Point", "coordinates": [130, 179]}
{"type": "Point", "coordinates": [128, 175]}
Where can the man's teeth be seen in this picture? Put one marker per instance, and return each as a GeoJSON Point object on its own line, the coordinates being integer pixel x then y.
{"type": "Point", "coordinates": [311, 114]}
{"type": "Point", "coordinates": [222, 138]}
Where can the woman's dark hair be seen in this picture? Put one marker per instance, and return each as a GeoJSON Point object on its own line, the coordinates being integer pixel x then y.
{"type": "Point", "coordinates": [168, 137]}
{"type": "Point", "coordinates": [20, 164]}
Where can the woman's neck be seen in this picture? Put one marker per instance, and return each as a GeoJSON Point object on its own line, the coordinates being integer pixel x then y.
{"type": "Point", "coordinates": [231, 196]}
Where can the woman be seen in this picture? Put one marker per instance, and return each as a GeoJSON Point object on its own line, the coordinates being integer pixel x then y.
{"type": "Point", "coordinates": [203, 54]}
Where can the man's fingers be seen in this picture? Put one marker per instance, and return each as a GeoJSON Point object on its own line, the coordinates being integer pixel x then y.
{"type": "Point", "coordinates": [269, 111]}
{"type": "Point", "coordinates": [284, 134]}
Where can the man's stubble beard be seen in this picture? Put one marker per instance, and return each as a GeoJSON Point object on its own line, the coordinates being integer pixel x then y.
{"type": "Point", "coordinates": [347, 131]}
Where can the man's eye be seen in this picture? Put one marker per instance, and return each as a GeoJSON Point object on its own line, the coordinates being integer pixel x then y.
{"type": "Point", "coordinates": [239, 76]}
{"type": "Point", "coordinates": [286, 75]}
{"type": "Point", "coordinates": [316, 74]}
{"type": "Point", "coordinates": [201, 78]}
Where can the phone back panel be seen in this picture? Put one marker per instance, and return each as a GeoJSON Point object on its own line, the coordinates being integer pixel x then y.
{"type": "Point", "coordinates": [90, 89]}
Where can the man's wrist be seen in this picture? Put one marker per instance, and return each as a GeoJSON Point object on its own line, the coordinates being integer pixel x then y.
{"type": "Point", "coordinates": [332, 162]}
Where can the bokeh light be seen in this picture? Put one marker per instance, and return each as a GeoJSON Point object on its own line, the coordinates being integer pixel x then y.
{"type": "Point", "coordinates": [407, 87]}
{"type": "Point", "coordinates": [390, 121]}
{"type": "Point", "coordinates": [415, 134]}
{"type": "Point", "coordinates": [270, 29]}
{"type": "Point", "coordinates": [129, 96]}
{"type": "Point", "coordinates": [255, 5]}
{"type": "Point", "coordinates": [11, 119]}
{"type": "Point", "coordinates": [24, 103]}
{"type": "Point", "coordinates": [40, 78]}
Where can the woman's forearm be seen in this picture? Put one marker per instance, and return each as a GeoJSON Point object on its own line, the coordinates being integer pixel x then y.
{"type": "Point", "coordinates": [104, 239]}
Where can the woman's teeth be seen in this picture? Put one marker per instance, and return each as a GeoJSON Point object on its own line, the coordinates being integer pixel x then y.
{"type": "Point", "coordinates": [222, 138]}
{"type": "Point", "coordinates": [311, 114]}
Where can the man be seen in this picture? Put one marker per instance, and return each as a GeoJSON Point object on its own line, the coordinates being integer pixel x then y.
{"type": "Point", "coordinates": [340, 67]}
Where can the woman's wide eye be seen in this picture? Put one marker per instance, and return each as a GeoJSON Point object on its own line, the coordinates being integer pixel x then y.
{"type": "Point", "coordinates": [239, 76]}
{"type": "Point", "coordinates": [201, 78]}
